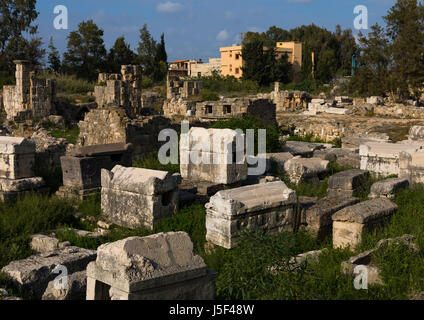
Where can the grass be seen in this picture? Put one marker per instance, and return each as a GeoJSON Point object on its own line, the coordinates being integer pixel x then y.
{"type": "Point", "coordinates": [244, 272]}
{"type": "Point", "coordinates": [151, 161]}
{"type": "Point", "coordinates": [337, 142]}
{"type": "Point", "coordinates": [70, 84]}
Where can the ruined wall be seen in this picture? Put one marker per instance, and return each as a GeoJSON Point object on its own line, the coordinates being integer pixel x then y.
{"type": "Point", "coordinates": [260, 108]}
{"type": "Point", "coordinates": [177, 88]}
{"type": "Point", "coordinates": [289, 100]}
{"type": "Point", "coordinates": [30, 97]}
{"type": "Point", "coordinates": [111, 125]}
{"type": "Point", "coordinates": [121, 90]}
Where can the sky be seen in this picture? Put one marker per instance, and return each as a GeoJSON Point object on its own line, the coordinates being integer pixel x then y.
{"type": "Point", "coordinates": [195, 29]}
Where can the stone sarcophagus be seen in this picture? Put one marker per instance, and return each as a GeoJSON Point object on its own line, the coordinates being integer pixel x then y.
{"type": "Point", "coordinates": [215, 155]}
{"type": "Point", "coordinates": [350, 223]}
{"type": "Point", "coordinates": [135, 197]}
{"type": "Point", "coordinates": [157, 267]}
{"type": "Point", "coordinates": [17, 158]}
{"type": "Point", "coordinates": [81, 168]}
{"type": "Point", "coordinates": [270, 206]}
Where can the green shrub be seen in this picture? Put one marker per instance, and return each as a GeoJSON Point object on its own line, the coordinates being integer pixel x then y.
{"type": "Point", "coordinates": [208, 95]}
{"type": "Point", "coordinates": [151, 161]}
{"type": "Point", "coordinates": [70, 84]}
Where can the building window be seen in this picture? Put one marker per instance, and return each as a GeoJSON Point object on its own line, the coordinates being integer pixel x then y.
{"type": "Point", "coordinates": [227, 109]}
{"type": "Point", "coordinates": [237, 56]}
{"type": "Point", "coordinates": [199, 74]}
{"type": "Point", "coordinates": [208, 109]}
{"type": "Point", "coordinates": [237, 70]}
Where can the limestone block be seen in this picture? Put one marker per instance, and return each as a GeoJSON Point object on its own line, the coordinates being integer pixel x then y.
{"type": "Point", "coordinates": [351, 222]}
{"type": "Point", "coordinates": [35, 272]}
{"type": "Point", "coordinates": [416, 133]}
{"type": "Point", "coordinates": [383, 158]}
{"type": "Point", "coordinates": [75, 289]}
{"type": "Point", "coordinates": [302, 169]}
{"type": "Point", "coordinates": [317, 220]}
{"type": "Point", "coordinates": [346, 183]}
{"type": "Point", "coordinates": [135, 197]}
{"type": "Point", "coordinates": [343, 157]}
{"type": "Point", "coordinates": [42, 243]}
{"type": "Point", "coordinates": [17, 157]}
{"type": "Point", "coordinates": [388, 188]}
{"type": "Point", "coordinates": [215, 155]}
{"type": "Point", "coordinates": [304, 149]}
{"type": "Point", "coordinates": [269, 206]}
{"type": "Point", "coordinates": [375, 100]}
{"type": "Point", "coordinates": [160, 266]}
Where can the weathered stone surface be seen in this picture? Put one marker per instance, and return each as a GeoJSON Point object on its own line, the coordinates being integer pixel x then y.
{"type": "Point", "coordinates": [343, 157]}
{"type": "Point", "coordinates": [302, 169]}
{"type": "Point", "coordinates": [411, 166]}
{"type": "Point", "coordinates": [76, 288]}
{"type": "Point", "coordinates": [81, 168]}
{"type": "Point", "coordinates": [304, 258]}
{"type": "Point", "coordinates": [135, 197]}
{"type": "Point", "coordinates": [160, 266]}
{"type": "Point", "coordinates": [317, 220]}
{"type": "Point", "coordinates": [17, 156]}
{"type": "Point", "coordinates": [383, 158]}
{"type": "Point", "coordinates": [347, 183]}
{"type": "Point", "coordinates": [210, 155]}
{"type": "Point", "coordinates": [270, 206]}
{"type": "Point", "coordinates": [35, 272]}
{"type": "Point", "coordinates": [304, 149]}
{"type": "Point", "coordinates": [416, 133]}
{"type": "Point", "coordinates": [353, 142]}
{"type": "Point", "coordinates": [375, 100]}
{"type": "Point", "coordinates": [350, 223]}
{"type": "Point", "coordinates": [364, 259]}
{"type": "Point", "coordinates": [388, 188]}
{"type": "Point", "coordinates": [30, 97]}
{"type": "Point", "coordinates": [42, 243]}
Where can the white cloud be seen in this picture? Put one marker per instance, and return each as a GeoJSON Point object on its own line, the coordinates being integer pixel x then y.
{"type": "Point", "coordinates": [169, 7]}
{"type": "Point", "coordinates": [222, 35]}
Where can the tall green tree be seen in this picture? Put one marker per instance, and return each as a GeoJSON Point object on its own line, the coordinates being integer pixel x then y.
{"type": "Point", "coordinates": [16, 17]}
{"type": "Point", "coordinates": [54, 57]}
{"type": "Point", "coordinates": [405, 29]}
{"type": "Point", "coordinates": [120, 54]}
{"type": "Point", "coordinates": [86, 52]}
{"type": "Point", "coordinates": [373, 75]}
{"type": "Point", "coordinates": [147, 51]}
{"type": "Point", "coordinates": [161, 60]}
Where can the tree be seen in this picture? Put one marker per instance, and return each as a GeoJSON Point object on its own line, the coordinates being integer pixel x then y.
{"type": "Point", "coordinates": [86, 53]}
{"type": "Point", "coordinates": [23, 49]}
{"type": "Point", "coordinates": [16, 17]}
{"type": "Point", "coordinates": [374, 75]}
{"type": "Point", "coordinates": [147, 51]}
{"type": "Point", "coordinates": [120, 54]}
{"type": "Point", "coordinates": [161, 58]}
{"type": "Point", "coordinates": [405, 29]}
{"type": "Point", "coordinates": [53, 58]}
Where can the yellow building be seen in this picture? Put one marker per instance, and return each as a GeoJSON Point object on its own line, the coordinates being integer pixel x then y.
{"type": "Point", "coordinates": [232, 61]}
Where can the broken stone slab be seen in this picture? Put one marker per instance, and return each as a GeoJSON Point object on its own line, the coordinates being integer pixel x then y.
{"type": "Point", "coordinates": [375, 100]}
{"type": "Point", "coordinates": [416, 133]}
{"type": "Point", "coordinates": [34, 273]}
{"type": "Point", "coordinates": [350, 223]}
{"type": "Point", "coordinates": [296, 262]}
{"type": "Point", "coordinates": [17, 158]}
{"type": "Point", "coordinates": [411, 166]}
{"type": "Point", "coordinates": [388, 187]}
{"type": "Point", "coordinates": [347, 183]}
{"type": "Point", "coordinates": [304, 149]}
{"type": "Point", "coordinates": [317, 220]}
{"type": "Point", "coordinates": [303, 169]}
{"type": "Point", "coordinates": [160, 266]}
{"type": "Point", "coordinates": [42, 243]}
{"type": "Point", "coordinates": [354, 142]}
{"type": "Point", "coordinates": [343, 157]}
{"type": "Point", "coordinates": [270, 206]}
{"type": "Point", "coordinates": [136, 197]}
{"type": "Point", "coordinates": [364, 259]}
{"type": "Point", "coordinates": [279, 158]}
{"type": "Point", "coordinates": [75, 288]}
